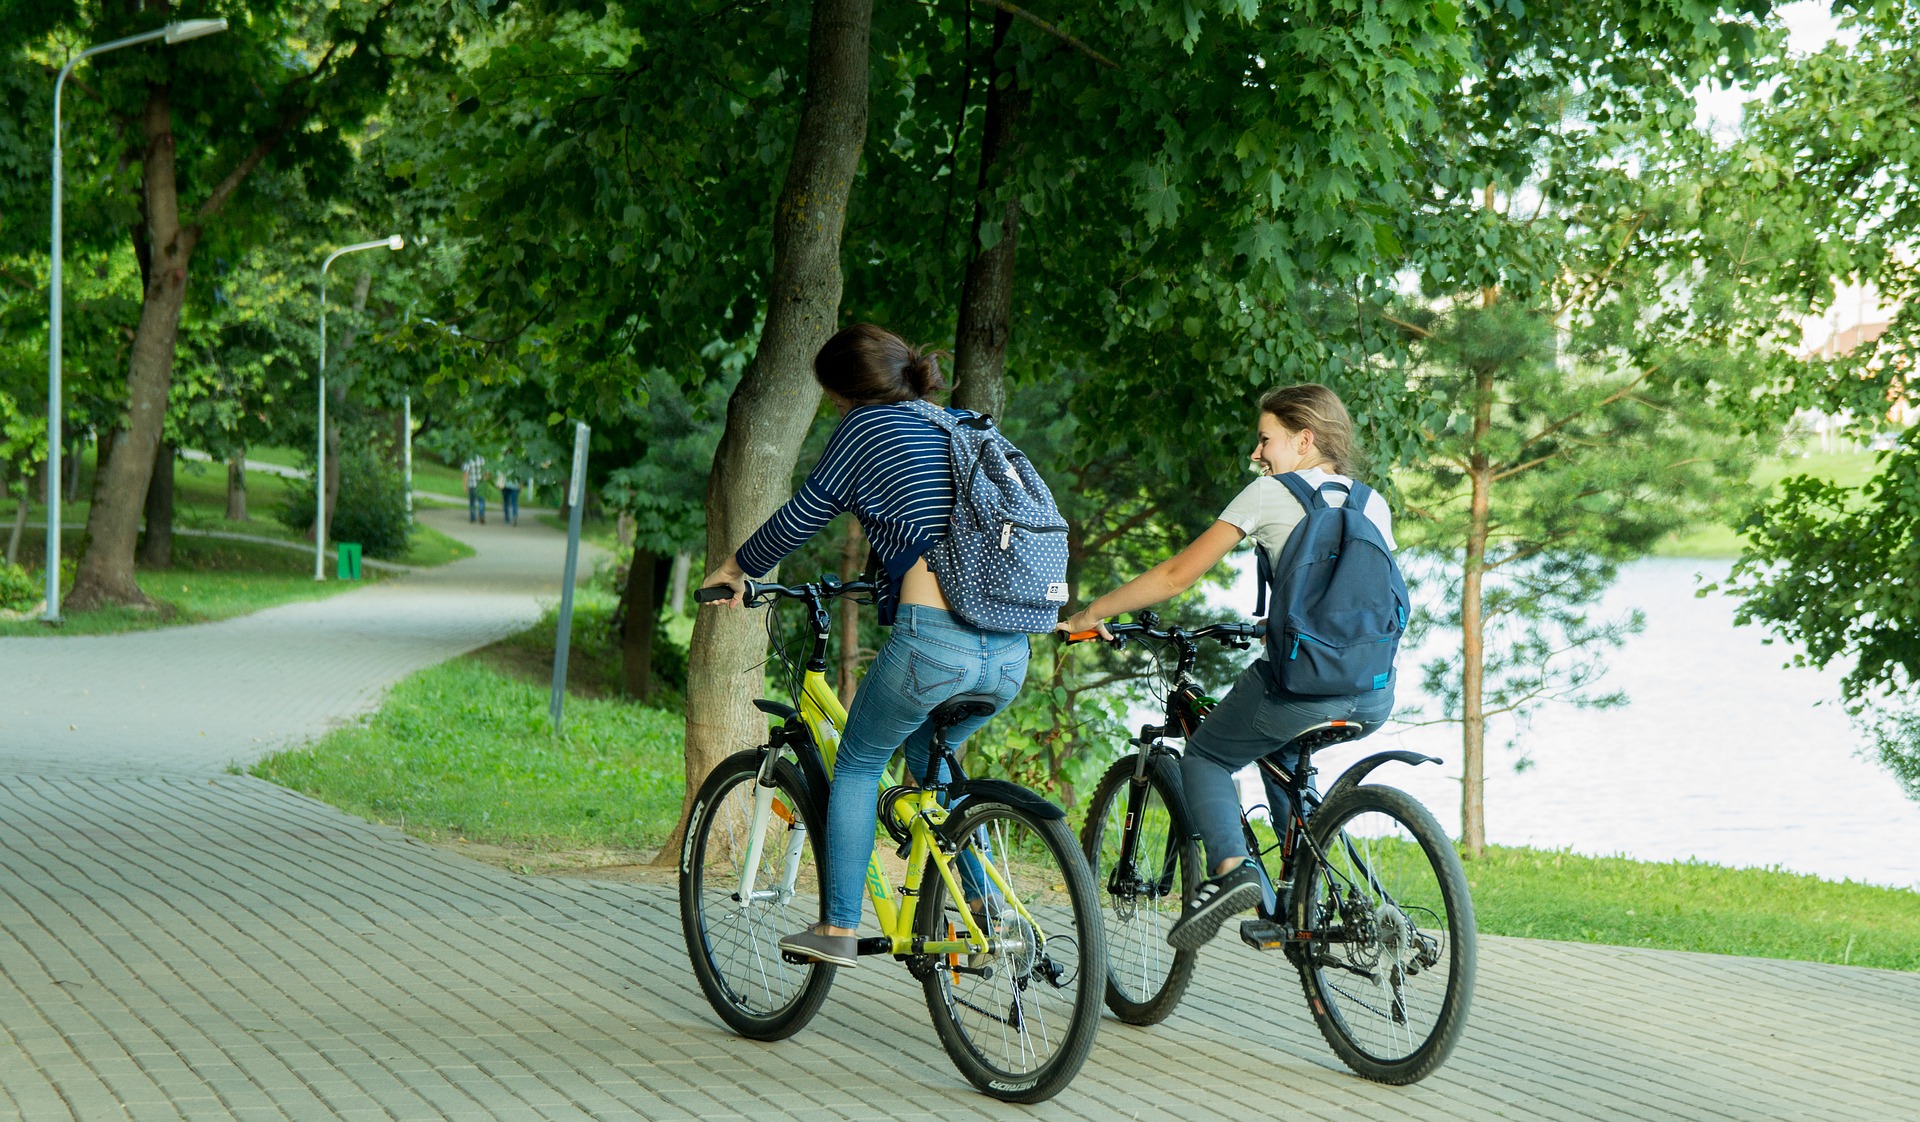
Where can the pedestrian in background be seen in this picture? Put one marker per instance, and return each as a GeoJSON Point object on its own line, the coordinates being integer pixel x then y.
{"type": "Point", "coordinates": [509, 498]}
{"type": "Point", "coordinates": [475, 473]}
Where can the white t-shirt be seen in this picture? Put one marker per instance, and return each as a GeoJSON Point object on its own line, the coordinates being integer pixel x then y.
{"type": "Point", "coordinates": [1267, 512]}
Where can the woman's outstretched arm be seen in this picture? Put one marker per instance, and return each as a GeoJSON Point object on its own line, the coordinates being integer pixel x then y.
{"type": "Point", "coordinates": [1162, 582]}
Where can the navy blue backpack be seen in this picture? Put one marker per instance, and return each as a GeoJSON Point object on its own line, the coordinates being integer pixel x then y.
{"type": "Point", "coordinates": [1339, 601]}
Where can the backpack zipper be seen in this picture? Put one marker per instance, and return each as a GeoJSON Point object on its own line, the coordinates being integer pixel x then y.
{"type": "Point", "coordinates": [1007, 526]}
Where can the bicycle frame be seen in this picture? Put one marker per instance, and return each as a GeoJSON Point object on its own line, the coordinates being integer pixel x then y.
{"type": "Point", "coordinates": [813, 733]}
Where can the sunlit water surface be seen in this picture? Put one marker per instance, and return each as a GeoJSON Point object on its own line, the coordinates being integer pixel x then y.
{"type": "Point", "coordinates": [1723, 754]}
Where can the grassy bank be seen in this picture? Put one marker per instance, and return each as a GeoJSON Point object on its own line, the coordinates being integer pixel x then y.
{"type": "Point", "coordinates": [1691, 906]}
{"type": "Point", "coordinates": [211, 579]}
{"type": "Point", "coordinates": [462, 753]}
{"type": "Point", "coordinates": [1849, 469]}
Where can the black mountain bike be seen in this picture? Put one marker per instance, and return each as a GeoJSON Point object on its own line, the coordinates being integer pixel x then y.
{"type": "Point", "coordinates": [1365, 894]}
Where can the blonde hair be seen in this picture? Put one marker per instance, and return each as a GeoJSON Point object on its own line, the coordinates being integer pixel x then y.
{"type": "Point", "coordinates": [1310, 407]}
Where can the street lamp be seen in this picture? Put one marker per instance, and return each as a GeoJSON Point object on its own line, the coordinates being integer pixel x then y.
{"type": "Point", "coordinates": [177, 32]}
{"type": "Point", "coordinates": [320, 461]}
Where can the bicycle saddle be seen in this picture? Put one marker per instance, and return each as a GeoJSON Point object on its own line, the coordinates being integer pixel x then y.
{"type": "Point", "coordinates": [1325, 735]}
{"type": "Point", "coordinates": [962, 706]}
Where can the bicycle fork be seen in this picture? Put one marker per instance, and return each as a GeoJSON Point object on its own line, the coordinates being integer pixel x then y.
{"type": "Point", "coordinates": [758, 819]}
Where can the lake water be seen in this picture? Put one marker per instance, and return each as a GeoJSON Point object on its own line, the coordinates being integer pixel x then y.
{"type": "Point", "coordinates": [1723, 753]}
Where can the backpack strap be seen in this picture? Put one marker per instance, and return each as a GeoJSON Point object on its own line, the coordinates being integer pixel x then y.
{"type": "Point", "coordinates": [1359, 495]}
{"type": "Point", "coordinates": [1263, 576]}
{"type": "Point", "coordinates": [1309, 497]}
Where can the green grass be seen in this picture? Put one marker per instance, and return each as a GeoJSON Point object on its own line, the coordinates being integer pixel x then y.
{"type": "Point", "coordinates": [430, 547]}
{"type": "Point", "coordinates": [1692, 906]}
{"type": "Point", "coordinates": [463, 752]}
{"type": "Point", "coordinates": [428, 473]}
{"type": "Point", "coordinates": [1849, 469]}
{"type": "Point", "coordinates": [210, 579]}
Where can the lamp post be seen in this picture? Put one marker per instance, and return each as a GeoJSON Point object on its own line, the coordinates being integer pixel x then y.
{"type": "Point", "coordinates": [320, 460]}
{"type": "Point", "coordinates": [177, 32]}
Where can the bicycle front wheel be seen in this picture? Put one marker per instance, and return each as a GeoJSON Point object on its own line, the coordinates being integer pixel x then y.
{"type": "Point", "coordinates": [1389, 973]}
{"type": "Point", "coordinates": [1140, 893]}
{"type": "Point", "coordinates": [1019, 1020]}
{"type": "Point", "coordinates": [734, 940]}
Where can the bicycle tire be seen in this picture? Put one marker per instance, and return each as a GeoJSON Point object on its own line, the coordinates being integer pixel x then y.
{"type": "Point", "coordinates": [1392, 885]}
{"type": "Point", "coordinates": [735, 951]}
{"type": "Point", "coordinates": [1146, 977]}
{"type": "Point", "coordinates": [1056, 976]}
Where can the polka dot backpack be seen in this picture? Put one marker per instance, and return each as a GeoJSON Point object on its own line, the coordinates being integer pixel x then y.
{"type": "Point", "coordinates": [1003, 563]}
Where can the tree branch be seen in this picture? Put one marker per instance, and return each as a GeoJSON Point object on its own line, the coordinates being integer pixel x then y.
{"type": "Point", "coordinates": [1021, 13]}
{"type": "Point", "coordinates": [1095, 545]}
{"type": "Point", "coordinates": [1624, 391]}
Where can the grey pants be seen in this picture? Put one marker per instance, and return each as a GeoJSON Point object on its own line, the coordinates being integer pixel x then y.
{"type": "Point", "coordinates": [1251, 722]}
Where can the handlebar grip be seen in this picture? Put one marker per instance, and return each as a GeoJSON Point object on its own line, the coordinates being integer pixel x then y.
{"type": "Point", "coordinates": [713, 592]}
{"type": "Point", "coordinates": [1076, 636]}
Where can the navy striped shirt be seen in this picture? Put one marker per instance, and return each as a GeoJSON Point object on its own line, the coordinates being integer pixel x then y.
{"type": "Point", "coordinates": [893, 469]}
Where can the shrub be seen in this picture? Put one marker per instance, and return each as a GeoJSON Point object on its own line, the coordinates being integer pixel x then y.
{"type": "Point", "coordinates": [18, 588]}
{"type": "Point", "coordinates": [371, 508]}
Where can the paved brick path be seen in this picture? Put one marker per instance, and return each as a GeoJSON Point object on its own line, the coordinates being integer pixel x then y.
{"type": "Point", "coordinates": [176, 942]}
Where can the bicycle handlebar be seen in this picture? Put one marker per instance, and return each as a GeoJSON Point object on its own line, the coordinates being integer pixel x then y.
{"type": "Point", "coordinates": [1232, 634]}
{"type": "Point", "coordinates": [826, 588]}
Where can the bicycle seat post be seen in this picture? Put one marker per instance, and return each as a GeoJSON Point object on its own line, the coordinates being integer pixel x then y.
{"type": "Point", "coordinates": [946, 715]}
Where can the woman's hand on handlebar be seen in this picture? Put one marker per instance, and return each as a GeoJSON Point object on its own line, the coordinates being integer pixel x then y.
{"type": "Point", "coordinates": [729, 576]}
{"type": "Point", "coordinates": [1080, 622]}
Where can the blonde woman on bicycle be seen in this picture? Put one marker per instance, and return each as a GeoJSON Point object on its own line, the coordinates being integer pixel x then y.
{"type": "Point", "coordinates": [1304, 429]}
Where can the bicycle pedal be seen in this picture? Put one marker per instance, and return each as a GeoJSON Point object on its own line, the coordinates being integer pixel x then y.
{"type": "Point", "coordinates": [1262, 934]}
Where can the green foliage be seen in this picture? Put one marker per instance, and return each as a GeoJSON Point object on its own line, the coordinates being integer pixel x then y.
{"type": "Point", "coordinates": [19, 590]}
{"type": "Point", "coordinates": [1827, 567]}
{"type": "Point", "coordinates": [370, 507]}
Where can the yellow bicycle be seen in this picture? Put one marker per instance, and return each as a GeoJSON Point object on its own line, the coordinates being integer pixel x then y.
{"type": "Point", "coordinates": [994, 910]}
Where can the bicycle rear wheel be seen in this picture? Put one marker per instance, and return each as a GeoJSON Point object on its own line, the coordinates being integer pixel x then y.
{"type": "Point", "coordinates": [1389, 974]}
{"type": "Point", "coordinates": [1020, 1022]}
{"type": "Point", "coordinates": [1140, 899]}
{"type": "Point", "coordinates": [734, 945]}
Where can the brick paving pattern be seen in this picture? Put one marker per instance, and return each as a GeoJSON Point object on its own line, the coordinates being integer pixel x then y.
{"type": "Point", "coordinates": [176, 942]}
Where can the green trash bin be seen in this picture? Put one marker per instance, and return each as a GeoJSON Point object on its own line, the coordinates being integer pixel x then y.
{"type": "Point", "coordinates": [348, 559]}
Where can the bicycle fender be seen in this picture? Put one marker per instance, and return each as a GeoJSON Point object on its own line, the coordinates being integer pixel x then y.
{"type": "Point", "coordinates": [1000, 790]}
{"type": "Point", "coordinates": [1359, 771]}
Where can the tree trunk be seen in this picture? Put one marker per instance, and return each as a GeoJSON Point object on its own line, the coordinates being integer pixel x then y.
{"type": "Point", "coordinates": [20, 513]}
{"type": "Point", "coordinates": [853, 556]}
{"type": "Point", "coordinates": [775, 401]}
{"type": "Point", "coordinates": [986, 297]}
{"type": "Point", "coordinates": [638, 618]}
{"type": "Point", "coordinates": [120, 488]}
{"type": "Point", "coordinates": [19, 517]}
{"type": "Point", "coordinates": [1473, 722]}
{"type": "Point", "coordinates": [70, 467]}
{"type": "Point", "coordinates": [157, 551]}
{"type": "Point", "coordinates": [237, 487]}
{"type": "Point", "coordinates": [677, 590]}
{"type": "Point", "coordinates": [337, 383]}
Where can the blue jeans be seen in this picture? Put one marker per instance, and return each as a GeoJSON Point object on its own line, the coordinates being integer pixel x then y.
{"type": "Point", "coordinates": [476, 504]}
{"type": "Point", "coordinates": [1251, 722]}
{"type": "Point", "coordinates": [510, 505]}
{"type": "Point", "coordinates": [930, 657]}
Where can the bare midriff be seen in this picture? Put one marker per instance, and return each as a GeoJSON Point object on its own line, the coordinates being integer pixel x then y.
{"type": "Point", "coordinates": [921, 587]}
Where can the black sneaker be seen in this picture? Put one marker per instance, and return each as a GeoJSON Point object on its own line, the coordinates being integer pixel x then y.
{"type": "Point", "coordinates": [1214, 900]}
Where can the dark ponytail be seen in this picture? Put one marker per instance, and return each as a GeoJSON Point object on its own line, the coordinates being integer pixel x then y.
{"type": "Point", "coordinates": [869, 365]}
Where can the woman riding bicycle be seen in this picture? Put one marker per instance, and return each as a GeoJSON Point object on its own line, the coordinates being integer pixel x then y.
{"type": "Point", "coordinates": [1303, 429]}
{"type": "Point", "coordinates": [891, 467]}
